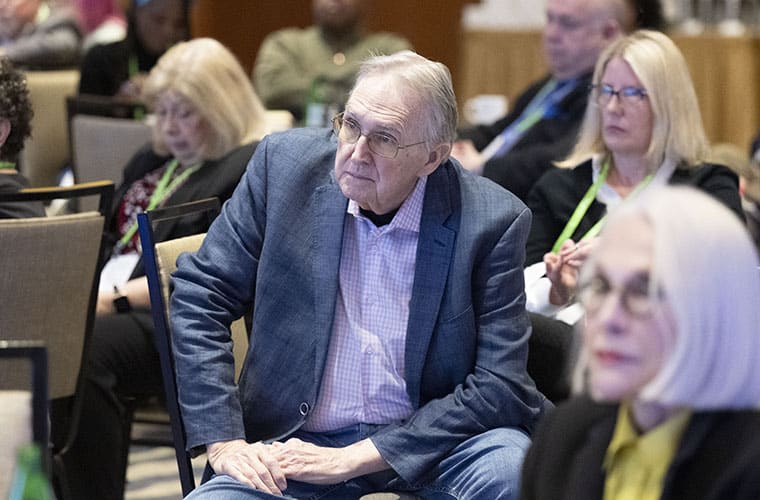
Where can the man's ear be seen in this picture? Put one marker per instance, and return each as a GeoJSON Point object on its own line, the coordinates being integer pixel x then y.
{"type": "Point", "coordinates": [611, 30]}
{"type": "Point", "coordinates": [437, 155]}
{"type": "Point", "coordinates": [5, 130]}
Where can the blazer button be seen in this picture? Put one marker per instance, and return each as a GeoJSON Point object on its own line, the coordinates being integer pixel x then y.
{"type": "Point", "coordinates": [303, 409]}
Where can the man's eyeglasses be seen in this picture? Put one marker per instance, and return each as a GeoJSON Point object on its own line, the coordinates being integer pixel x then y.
{"type": "Point", "coordinates": [627, 95]}
{"type": "Point", "coordinates": [380, 143]}
{"type": "Point", "coordinates": [636, 297]}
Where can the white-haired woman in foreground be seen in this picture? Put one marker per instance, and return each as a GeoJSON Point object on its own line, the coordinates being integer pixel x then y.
{"type": "Point", "coordinates": [671, 346]}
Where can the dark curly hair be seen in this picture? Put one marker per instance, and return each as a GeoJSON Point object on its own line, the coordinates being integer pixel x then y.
{"type": "Point", "coordinates": [14, 107]}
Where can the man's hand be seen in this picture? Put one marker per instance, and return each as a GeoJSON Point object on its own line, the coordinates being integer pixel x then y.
{"type": "Point", "coordinates": [309, 463]}
{"type": "Point", "coordinates": [250, 463]}
{"type": "Point", "coordinates": [468, 156]}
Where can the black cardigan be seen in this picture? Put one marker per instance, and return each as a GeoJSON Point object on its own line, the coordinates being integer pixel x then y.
{"type": "Point", "coordinates": [555, 196]}
{"type": "Point", "coordinates": [718, 457]}
{"type": "Point", "coordinates": [216, 178]}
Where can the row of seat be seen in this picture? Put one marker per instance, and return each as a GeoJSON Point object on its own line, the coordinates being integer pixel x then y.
{"type": "Point", "coordinates": [98, 146]}
{"type": "Point", "coordinates": [49, 275]}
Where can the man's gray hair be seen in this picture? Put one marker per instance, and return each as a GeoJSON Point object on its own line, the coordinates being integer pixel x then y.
{"type": "Point", "coordinates": [430, 81]}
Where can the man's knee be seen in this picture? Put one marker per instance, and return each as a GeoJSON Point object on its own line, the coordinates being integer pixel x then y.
{"type": "Point", "coordinates": [500, 449]}
{"type": "Point", "coordinates": [485, 466]}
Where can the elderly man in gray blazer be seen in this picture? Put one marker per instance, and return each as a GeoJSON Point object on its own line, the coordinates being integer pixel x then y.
{"type": "Point", "coordinates": [389, 340]}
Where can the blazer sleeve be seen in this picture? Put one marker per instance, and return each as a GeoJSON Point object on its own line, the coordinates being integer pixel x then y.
{"type": "Point", "coordinates": [497, 392]}
{"type": "Point", "coordinates": [212, 288]}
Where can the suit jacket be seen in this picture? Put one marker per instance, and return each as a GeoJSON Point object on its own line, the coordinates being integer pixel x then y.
{"type": "Point", "coordinates": [555, 196]}
{"type": "Point", "coordinates": [549, 140]}
{"type": "Point", "coordinates": [11, 183]}
{"type": "Point", "coordinates": [718, 457]}
{"type": "Point", "coordinates": [216, 178]}
{"type": "Point", "coordinates": [277, 244]}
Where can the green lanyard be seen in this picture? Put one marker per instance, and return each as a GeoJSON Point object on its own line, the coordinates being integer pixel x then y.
{"type": "Point", "coordinates": [7, 165]}
{"type": "Point", "coordinates": [585, 203]}
{"type": "Point", "coordinates": [162, 191]}
{"type": "Point", "coordinates": [132, 66]}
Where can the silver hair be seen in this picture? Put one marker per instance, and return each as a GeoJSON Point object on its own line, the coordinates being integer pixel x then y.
{"type": "Point", "coordinates": [430, 81]}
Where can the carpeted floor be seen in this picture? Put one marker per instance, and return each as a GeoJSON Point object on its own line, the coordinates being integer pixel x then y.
{"type": "Point", "coordinates": [152, 473]}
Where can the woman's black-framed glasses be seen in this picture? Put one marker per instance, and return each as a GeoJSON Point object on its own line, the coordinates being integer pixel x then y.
{"type": "Point", "coordinates": [629, 96]}
{"type": "Point", "coordinates": [637, 298]}
{"type": "Point", "coordinates": [380, 143]}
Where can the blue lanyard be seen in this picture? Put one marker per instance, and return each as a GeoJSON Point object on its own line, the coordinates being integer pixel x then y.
{"type": "Point", "coordinates": [545, 100]}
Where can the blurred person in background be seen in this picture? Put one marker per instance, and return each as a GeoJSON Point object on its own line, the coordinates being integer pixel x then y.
{"type": "Point", "coordinates": [102, 21]}
{"type": "Point", "coordinates": [36, 34]}
{"type": "Point", "coordinates": [317, 65]}
{"type": "Point", "coordinates": [119, 69]}
{"type": "Point", "coordinates": [15, 127]}
{"type": "Point", "coordinates": [668, 363]}
{"type": "Point", "coordinates": [208, 122]}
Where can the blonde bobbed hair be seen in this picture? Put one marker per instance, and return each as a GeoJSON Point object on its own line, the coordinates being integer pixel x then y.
{"type": "Point", "coordinates": [208, 75]}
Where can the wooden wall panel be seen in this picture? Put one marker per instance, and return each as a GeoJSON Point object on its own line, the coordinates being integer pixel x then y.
{"type": "Point", "coordinates": [725, 70]}
{"type": "Point", "coordinates": [432, 26]}
{"type": "Point", "coordinates": [242, 24]}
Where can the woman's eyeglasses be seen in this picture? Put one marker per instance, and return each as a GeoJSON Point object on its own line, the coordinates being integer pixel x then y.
{"type": "Point", "coordinates": [628, 96]}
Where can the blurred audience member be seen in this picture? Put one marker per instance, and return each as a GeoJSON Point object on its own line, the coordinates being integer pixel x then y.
{"type": "Point", "coordinates": [15, 127]}
{"type": "Point", "coordinates": [310, 71]}
{"type": "Point", "coordinates": [203, 139]}
{"type": "Point", "coordinates": [669, 362]}
{"type": "Point", "coordinates": [103, 21]}
{"type": "Point", "coordinates": [749, 186]}
{"type": "Point", "coordinates": [748, 169]}
{"type": "Point", "coordinates": [542, 127]}
{"type": "Point", "coordinates": [119, 68]}
{"type": "Point", "coordinates": [37, 34]}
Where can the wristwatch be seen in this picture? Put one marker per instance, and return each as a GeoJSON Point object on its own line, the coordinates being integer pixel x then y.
{"type": "Point", "coordinates": [120, 301]}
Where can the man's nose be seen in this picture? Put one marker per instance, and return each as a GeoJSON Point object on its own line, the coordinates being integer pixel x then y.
{"type": "Point", "coordinates": [361, 148]}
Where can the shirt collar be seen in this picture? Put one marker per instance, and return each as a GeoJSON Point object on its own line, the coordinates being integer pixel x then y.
{"type": "Point", "coordinates": [408, 215]}
{"type": "Point", "coordinates": [610, 197]}
{"type": "Point", "coordinates": [661, 441]}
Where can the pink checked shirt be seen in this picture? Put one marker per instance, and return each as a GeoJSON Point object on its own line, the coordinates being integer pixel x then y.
{"type": "Point", "coordinates": [363, 381]}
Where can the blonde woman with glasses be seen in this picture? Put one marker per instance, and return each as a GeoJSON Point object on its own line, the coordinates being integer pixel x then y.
{"type": "Point", "coordinates": [642, 128]}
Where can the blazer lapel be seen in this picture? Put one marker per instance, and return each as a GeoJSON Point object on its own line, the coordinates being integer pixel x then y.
{"type": "Point", "coordinates": [434, 255]}
{"type": "Point", "coordinates": [330, 211]}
